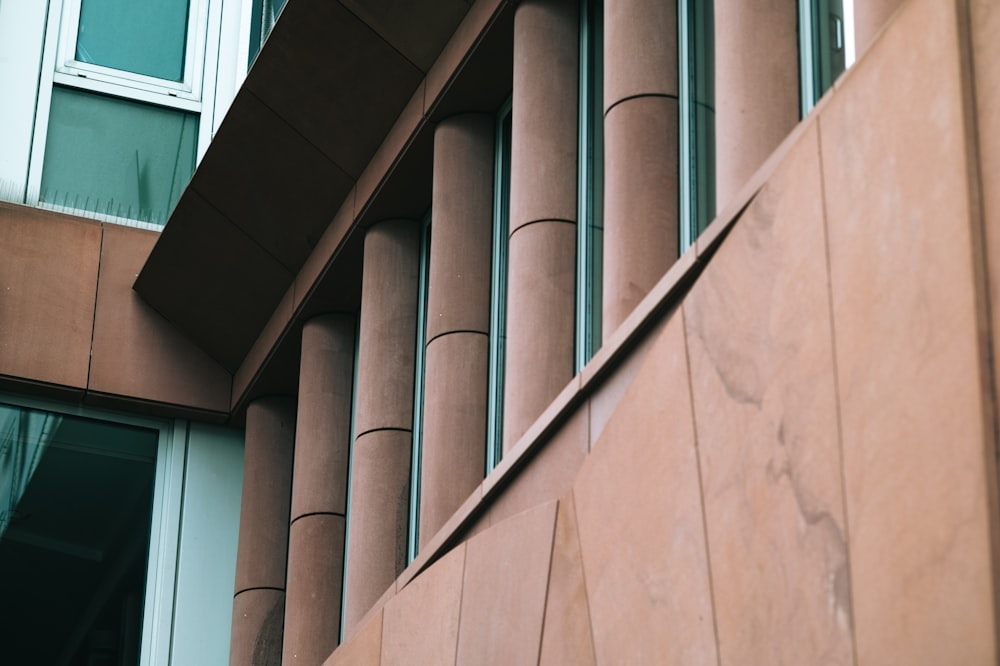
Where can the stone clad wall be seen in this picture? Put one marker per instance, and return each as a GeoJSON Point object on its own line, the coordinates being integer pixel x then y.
{"type": "Point", "coordinates": [72, 328]}
{"type": "Point", "coordinates": [801, 467]}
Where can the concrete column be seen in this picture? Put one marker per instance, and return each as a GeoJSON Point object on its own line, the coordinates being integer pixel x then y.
{"type": "Point", "coordinates": [456, 368]}
{"type": "Point", "coordinates": [541, 272]}
{"type": "Point", "coordinates": [870, 16]}
{"type": "Point", "coordinates": [259, 603]}
{"type": "Point", "coordinates": [640, 146]}
{"type": "Point", "coordinates": [756, 87]}
{"type": "Point", "coordinates": [380, 486]}
{"type": "Point", "coordinates": [319, 490]}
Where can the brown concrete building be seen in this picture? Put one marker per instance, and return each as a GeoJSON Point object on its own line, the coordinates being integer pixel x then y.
{"type": "Point", "coordinates": [550, 331]}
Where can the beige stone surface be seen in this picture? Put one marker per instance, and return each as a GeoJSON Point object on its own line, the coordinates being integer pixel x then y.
{"type": "Point", "coordinates": [640, 522]}
{"type": "Point", "coordinates": [257, 628]}
{"type": "Point", "coordinates": [364, 648]}
{"type": "Point", "coordinates": [566, 637]}
{"type": "Point", "coordinates": [388, 327]}
{"type": "Point", "coordinates": [503, 595]}
{"type": "Point", "coordinates": [458, 285]}
{"type": "Point", "coordinates": [640, 203]}
{"type": "Point", "coordinates": [608, 394]}
{"type": "Point", "coordinates": [541, 304]}
{"type": "Point", "coordinates": [870, 17]}
{"type": "Point", "coordinates": [420, 624]}
{"type": "Point", "coordinates": [640, 49]}
{"type": "Point", "coordinates": [550, 471]}
{"type": "Point", "coordinates": [454, 426]}
{"type": "Point", "coordinates": [267, 486]}
{"type": "Point", "coordinates": [48, 285]}
{"type": "Point", "coordinates": [908, 359]}
{"type": "Point", "coordinates": [758, 334]}
{"type": "Point", "coordinates": [313, 588]}
{"type": "Point", "coordinates": [756, 87]}
{"type": "Point", "coordinates": [323, 421]}
{"type": "Point", "coordinates": [379, 519]}
{"type": "Point", "coordinates": [544, 115]}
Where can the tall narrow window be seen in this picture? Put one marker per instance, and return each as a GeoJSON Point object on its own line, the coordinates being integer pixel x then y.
{"type": "Point", "coordinates": [498, 288]}
{"type": "Point", "coordinates": [825, 46]}
{"type": "Point", "coordinates": [350, 475]}
{"type": "Point", "coordinates": [696, 51]}
{"type": "Point", "coordinates": [418, 389]}
{"type": "Point", "coordinates": [590, 189]}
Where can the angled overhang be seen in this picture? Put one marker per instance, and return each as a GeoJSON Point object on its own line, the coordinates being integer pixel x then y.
{"type": "Point", "coordinates": [323, 93]}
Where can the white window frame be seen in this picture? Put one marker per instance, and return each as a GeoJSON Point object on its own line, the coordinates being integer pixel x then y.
{"type": "Point", "coordinates": [165, 521]}
{"type": "Point", "coordinates": [189, 87]}
{"type": "Point", "coordinates": [214, 44]}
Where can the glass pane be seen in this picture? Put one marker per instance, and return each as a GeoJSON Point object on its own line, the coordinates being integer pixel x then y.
{"type": "Point", "coordinates": [116, 157]}
{"type": "Point", "coordinates": [77, 499]}
{"type": "Point", "coordinates": [829, 42]}
{"type": "Point", "coordinates": [498, 289]}
{"type": "Point", "coordinates": [265, 13]}
{"type": "Point", "coordinates": [697, 101]}
{"type": "Point", "coordinates": [142, 36]}
{"type": "Point", "coordinates": [591, 184]}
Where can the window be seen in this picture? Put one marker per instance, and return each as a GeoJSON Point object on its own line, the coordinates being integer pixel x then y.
{"type": "Point", "coordinates": [590, 188]}
{"type": "Point", "coordinates": [696, 58]}
{"type": "Point", "coordinates": [117, 536]}
{"type": "Point", "coordinates": [350, 474]}
{"type": "Point", "coordinates": [74, 533]}
{"type": "Point", "coordinates": [826, 46]}
{"type": "Point", "coordinates": [498, 288]}
{"type": "Point", "coordinates": [126, 104]}
{"type": "Point", "coordinates": [418, 389]}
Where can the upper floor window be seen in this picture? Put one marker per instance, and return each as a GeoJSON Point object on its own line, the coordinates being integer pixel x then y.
{"type": "Point", "coordinates": [113, 102]}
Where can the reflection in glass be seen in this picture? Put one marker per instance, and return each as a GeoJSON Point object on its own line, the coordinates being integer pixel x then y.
{"type": "Point", "coordinates": [116, 157]}
{"type": "Point", "coordinates": [141, 37]}
{"type": "Point", "coordinates": [77, 502]}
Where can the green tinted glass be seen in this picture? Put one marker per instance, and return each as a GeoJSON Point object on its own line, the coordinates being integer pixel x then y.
{"type": "Point", "coordinates": [142, 36]}
{"type": "Point", "coordinates": [116, 157]}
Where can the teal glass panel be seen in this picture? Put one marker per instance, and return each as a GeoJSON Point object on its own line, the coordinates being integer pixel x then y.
{"type": "Point", "coordinates": [498, 289]}
{"type": "Point", "coordinates": [116, 157]}
{"type": "Point", "coordinates": [77, 497]}
{"type": "Point", "coordinates": [420, 359]}
{"type": "Point", "coordinates": [590, 204]}
{"type": "Point", "coordinates": [697, 121]}
{"type": "Point", "coordinates": [145, 37]}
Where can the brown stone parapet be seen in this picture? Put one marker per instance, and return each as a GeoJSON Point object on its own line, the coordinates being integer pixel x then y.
{"type": "Point", "coordinates": [458, 318]}
{"type": "Point", "coordinates": [542, 255]}
{"type": "Point", "coordinates": [756, 87]}
{"type": "Point", "coordinates": [383, 414]}
{"type": "Point", "coordinates": [319, 489]}
{"type": "Point", "coordinates": [640, 143]}
{"type": "Point", "coordinates": [263, 541]}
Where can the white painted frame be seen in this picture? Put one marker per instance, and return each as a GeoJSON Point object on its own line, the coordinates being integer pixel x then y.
{"type": "Point", "coordinates": [221, 28]}
{"type": "Point", "coordinates": [189, 87]}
